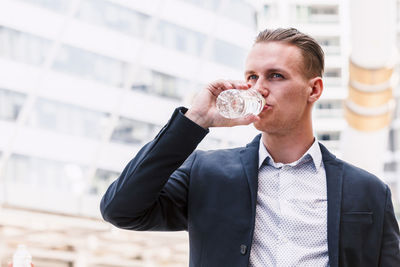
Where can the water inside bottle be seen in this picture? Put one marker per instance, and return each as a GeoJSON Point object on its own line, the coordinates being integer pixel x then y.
{"type": "Point", "coordinates": [239, 103]}
{"type": "Point", "coordinates": [230, 104]}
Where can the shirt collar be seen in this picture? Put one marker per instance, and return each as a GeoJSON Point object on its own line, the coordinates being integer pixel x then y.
{"type": "Point", "coordinates": [314, 152]}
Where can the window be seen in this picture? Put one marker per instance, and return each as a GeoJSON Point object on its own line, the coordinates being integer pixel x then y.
{"type": "Point", "coordinates": [317, 13]}
{"type": "Point", "coordinates": [162, 84]}
{"type": "Point", "coordinates": [178, 38]}
{"type": "Point", "coordinates": [170, 86]}
{"type": "Point", "coordinates": [60, 6]}
{"type": "Point", "coordinates": [103, 178]}
{"type": "Point", "coordinates": [46, 174]}
{"type": "Point", "coordinates": [323, 10]}
{"type": "Point", "coordinates": [68, 119]}
{"type": "Point", "coordinates": [241, 11]}
{"type": "Point", "coordinates": [208, 4]}
{"type": "Point", "coordinates": [328, 40]}
{"type": "Point", "coordinates": [328, 108]}
{"type": "Point", "coordinates": [90, 65]}
{"type": "Point", "coordinates": [394, 140]}
{"type": "Point", "coordinates": [330, 44]}
{"type": "Point", "coordinates": [396, 113]}
{"type": "Point", "coordinates": [119, 18]}
{"type": "Point", "coordinates": [23, 47]}
{"type": "Point", "coordinates": [228, 54]}
{"type": "Point", "coordinates": [333, 72]}
{"type": "Point", "coordinates": [10, 104]}
{"type": "Point", "coordinates": [270, 11]}
{"type": "Point", "coordinates": [332, 76]}
{"type": "Point", "coordinates": [130, 131]}
{"type": "Point", "coordinates": [329, 104]}
{"type": "Point", "coordinates": [390, 166]}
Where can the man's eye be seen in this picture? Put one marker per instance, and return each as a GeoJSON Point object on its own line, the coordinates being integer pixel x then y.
{"type": "Point", "coordinates": [276, 75]}
{"type": "Point", "coordinates": [252, 77]}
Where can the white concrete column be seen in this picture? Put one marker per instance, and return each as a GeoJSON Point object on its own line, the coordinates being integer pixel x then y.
{"type": "Point", "coordinates": [369, 105]}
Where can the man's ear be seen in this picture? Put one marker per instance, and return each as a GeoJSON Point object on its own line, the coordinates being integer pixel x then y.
{"type": "Point", "coordinates": [316, 86]}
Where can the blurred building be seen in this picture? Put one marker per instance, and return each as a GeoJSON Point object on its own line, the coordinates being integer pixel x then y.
{"type": "Point", "coordinates": [84, 84]}
{"type": "Point", "coordinates": [329, 21]}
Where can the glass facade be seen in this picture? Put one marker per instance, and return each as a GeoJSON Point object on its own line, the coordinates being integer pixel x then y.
{"type": "Point", "coordinates": [162, 84]}
{"type": "Point", "coordinates": [113, 16]}
{"type": "Point", "coordinates": [169, 86]}
{"type": "Point", "coordinates": [391, 166]}
{"type": "Point", "coordinates": [178, 38]}
{"type": "Point", "coordinates": [68, 119]}
{"type": "Point", "coordinates": [239, 10]}
{"type": "Point", "coordinates": [242, 12]}
{"type": "Point", "coordinates": [129, 131]}
{"type": "Point", "coordinates": [270, 11]}
{"type": "Point", "coordinates": [44, 173]}
{"type": "Point", "coordinates": [208, 4]}
{"type": "Point", "coordinates": [102, 180]}
{"type": "Point", "coordinates": [60, 6]}
{"type": "Point", "coordinates": [192, 42]}
{"type": "Point", "coordinates": [90, 65]}
{"type": "Point", "coordinates": [228, 54]}
{"type": "Point", "coordinates": [329, 108]}
{"type": "Point", "coordinates": [323, 13]}
{"type": "Point", "coordinates": [333, 76]}
{"type": "Point", "coordinates": [394, 139]}
{"type": "Point", "coordinates": [57, 161]}
{"type": "Point", "coordinates": [23, 47]}
{"type": "Point", "coordinates": [330, 44]}
{"type": "Point", "coordinates": [396, 114]}
{"type": "Point", "coordinates": [10, 104]}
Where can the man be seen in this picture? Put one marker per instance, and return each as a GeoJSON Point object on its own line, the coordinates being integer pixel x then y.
{"type": "Point", "coordinates": [283, 200]}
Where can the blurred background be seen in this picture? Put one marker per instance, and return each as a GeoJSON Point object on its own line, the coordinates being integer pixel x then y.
{"type": "Point", "coordinates": [85, 83]}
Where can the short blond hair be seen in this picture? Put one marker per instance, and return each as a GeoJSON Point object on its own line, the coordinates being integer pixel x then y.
{"type": "Point", "coordinates": [313, 55]}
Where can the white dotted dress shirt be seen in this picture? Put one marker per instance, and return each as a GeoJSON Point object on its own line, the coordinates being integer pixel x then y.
{"type": "Point", "coordinates": [291, 212]}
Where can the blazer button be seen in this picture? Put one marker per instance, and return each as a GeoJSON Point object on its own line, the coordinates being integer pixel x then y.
{"type": "Point", "coordinates": [243, 249]}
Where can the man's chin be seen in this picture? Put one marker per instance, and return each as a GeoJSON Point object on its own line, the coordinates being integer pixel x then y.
{"type": "Point", "coordinates": [268, 126]}
{"type": "Point", "coordinates": [262, 126]}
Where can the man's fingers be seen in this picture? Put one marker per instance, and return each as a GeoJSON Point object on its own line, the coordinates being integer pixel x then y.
{"type": "Point", "coordinates": [221, 85]}
{"type": "Point", "coordinates": [240, 85]}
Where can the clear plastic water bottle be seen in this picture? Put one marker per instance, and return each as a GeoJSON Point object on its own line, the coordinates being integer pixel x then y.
{"type": "Point", "coordinates": [235, 103]}
{"type": "Point", "coordinates": [21, 257]}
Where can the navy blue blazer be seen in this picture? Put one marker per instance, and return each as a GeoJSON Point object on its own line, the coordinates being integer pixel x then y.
{"type": "Point", "coordinates": [212, 195]}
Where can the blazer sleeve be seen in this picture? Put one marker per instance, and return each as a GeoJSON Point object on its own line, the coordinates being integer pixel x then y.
{"type": "Point", "coordinates": [390, 250]}
{"type": "Point", "coordinates": [151, 193]}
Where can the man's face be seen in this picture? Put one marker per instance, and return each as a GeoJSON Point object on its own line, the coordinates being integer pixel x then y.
{"type": "Point", "coordinates": [276, 70]}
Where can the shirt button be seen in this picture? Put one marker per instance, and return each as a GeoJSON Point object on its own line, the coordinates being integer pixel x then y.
{"type": "Point", "coordinates": [243, 249]}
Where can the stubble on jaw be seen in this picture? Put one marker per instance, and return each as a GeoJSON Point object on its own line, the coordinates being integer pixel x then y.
{"type": "Point", "coordinates": [278, 127]}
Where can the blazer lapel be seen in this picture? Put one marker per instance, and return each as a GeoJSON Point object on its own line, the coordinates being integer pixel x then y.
{"type": "Point", "coordinates": [334, 181]}
{"type": "Point", "coordinates": [249, 157]}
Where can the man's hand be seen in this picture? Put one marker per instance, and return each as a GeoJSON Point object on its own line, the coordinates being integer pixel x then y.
{"type": "Point", "coordinates": [204, 111]}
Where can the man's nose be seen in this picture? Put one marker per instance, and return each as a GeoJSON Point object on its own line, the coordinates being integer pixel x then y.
{"type": "Point", "coordinates": [261, 87]}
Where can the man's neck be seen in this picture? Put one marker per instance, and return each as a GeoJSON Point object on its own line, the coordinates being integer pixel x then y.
{"type": "Point", "coordinates": [288, 148]}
